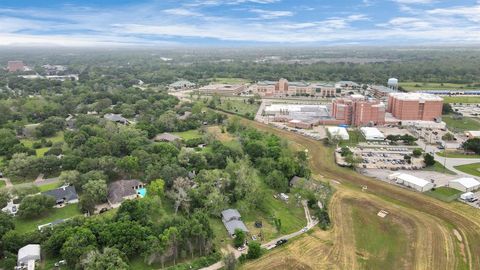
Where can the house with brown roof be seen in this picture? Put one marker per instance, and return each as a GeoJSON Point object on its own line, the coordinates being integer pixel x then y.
{"type": "Point", "coordinates": [122, 190]}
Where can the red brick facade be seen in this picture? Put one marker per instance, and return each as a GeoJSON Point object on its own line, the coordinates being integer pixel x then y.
{"type": "Point", "coordinates": [415, 106]}
{"type": "Point", "coordinates": [358, 111]}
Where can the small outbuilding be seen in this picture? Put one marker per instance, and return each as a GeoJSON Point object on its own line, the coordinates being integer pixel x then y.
{"type": "Point", "coordinates": [117, 118]}
{"type": "Point", "coordinates": [338, 132]}
{"type": "Point", "coordinates": [465, 184]}
{"type": "Point", "coordinates": [411, 181]}
{"type": "Point", "coordinates": [28, 254]}
{"type": "Point", "coordinates": [467, 196]}
{"type": "Point", "coordinates": [372, 134]}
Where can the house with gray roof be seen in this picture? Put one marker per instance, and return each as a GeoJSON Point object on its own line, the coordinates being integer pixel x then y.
{"type": "Point", "coordinates": [63, 194]}
{"type": "Point", "coordinates": [231, 219]}
{"type": "Point", "coordinates": [166, 137]}
{"type": "Point", "coordinates": [28, 254]}
{"type": "Point", "coordinates": [122, 190]}
{"type": "Point", "coordinates": [117, 118]}
{"type": "Point", "coordinates": [181, 85]}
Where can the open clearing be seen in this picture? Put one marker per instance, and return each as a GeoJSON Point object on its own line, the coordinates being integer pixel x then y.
{"type": "Point", "coordinates": [462, 99]}
{"type": "Point", "coordinates": [461, 125]}
{"type": "Point", "coordinates": [435, 245]}
{"type": "Point", "coordinates": [25, 225]}
{"type": "Point", "coordinates": [456, 154]}
{"type": "Point", "coordinates": [417, 86]}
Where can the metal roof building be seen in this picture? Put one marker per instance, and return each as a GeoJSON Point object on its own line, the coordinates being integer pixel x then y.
{"type": "Point", "coordinates": [339, 132]}
{"type": "Point", "coordinates": [464, 184]}
{"type": "Point", "coordinates": [411, 181]}
{"type": "Point", "coordinates": [28, 253]}
{"type": "Point", "coordinates": [372, 134]}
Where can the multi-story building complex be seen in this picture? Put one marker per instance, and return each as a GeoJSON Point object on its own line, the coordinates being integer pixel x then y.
{"type": "Point", "coordinates": [380, 91]}
{"type": "Point", "coordinates": [415, 106]}
{"type": "Point", "coordinates": [284, 88]}
{"type": "Point", "coordinates": [14, 66]}
{"type": "Point", "coordinates": [222, 89]}
{"type": "Point", "coordinates": [357, 110]}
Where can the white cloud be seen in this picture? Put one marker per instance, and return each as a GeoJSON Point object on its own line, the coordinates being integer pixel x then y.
{"type": "Point", "coordinates": [271, 14]}
{"type": "Point", "coordinates": [470, 13]}
{"type": "Point", "coordinates": [182, 12]}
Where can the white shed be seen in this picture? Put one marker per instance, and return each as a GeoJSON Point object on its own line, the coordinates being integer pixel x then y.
{"type": "Point", "coordinates": [372, 134]}
{"type": "Point", "coordinates": [28, 253]}
{"type": "Point", "coordinates": [464, 184]}
{"type": "Point", "coordinates": [467, 196]}
{"type": "Point", "coordinates": [411, 181]}
{"type": "Point", "coordinates": [339, 132]}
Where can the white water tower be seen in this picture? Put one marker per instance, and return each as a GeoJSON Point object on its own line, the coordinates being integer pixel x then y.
{"type": "Point", "coordinates": [393, 83]}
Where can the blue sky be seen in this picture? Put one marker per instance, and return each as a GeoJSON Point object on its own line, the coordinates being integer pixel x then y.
{"type": "Point", "coordinates": [239, 22]}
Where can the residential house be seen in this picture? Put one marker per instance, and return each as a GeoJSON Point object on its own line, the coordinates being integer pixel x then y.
{"type": "Point", "coordinates": [231, 218]}
{"type": "Point", "coordinates": [28, 255]}
{"type": "Point", "coordinates": [117, 118]}
{"type": "Point", "coordinates": [122, 190]}
{"type": "Point", "coordinates": [63, 194]}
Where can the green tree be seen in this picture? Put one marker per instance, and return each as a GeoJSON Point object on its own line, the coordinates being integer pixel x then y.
{"type": "Point", "coordinates": [35, 206]}
{"type": "Point", "coordinates": [239, 239]}
{"type": "Point", "coordinates": [109, 259]}
{"type": "Point", "coordinates": [277, 180]}
{"type": "Point", "coordinates": [254, 250]}
{"type": "Point", "coordinates": [78, 244]}
{"type": "Point", "coordinates": [417, 152]}
{"type": "Point", "coordinates": [429, 160]}
{"type": "Point", "coordinates": [157, 188]}
{"type": "Point", "coordinates": [6, 223]}
{"type": "Point", "coordinates": [230, 261]}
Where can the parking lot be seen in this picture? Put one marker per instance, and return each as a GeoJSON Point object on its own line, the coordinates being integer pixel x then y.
{"type": "Point", "coordinates": [469, 110]}
{"type": "Point", "coordinates": [390, 158]}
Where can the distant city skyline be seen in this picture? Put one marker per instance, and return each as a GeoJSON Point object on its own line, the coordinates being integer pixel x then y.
{"type": "Point", "coordinates": [239, 22]}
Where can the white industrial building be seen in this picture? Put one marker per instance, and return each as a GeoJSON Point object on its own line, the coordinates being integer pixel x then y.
{"type": "Point", "coordinates": [338, 132]}
{"type": "Point", "coordinates": [464, 184]}
{"type": "Point", "coordinates": [411, 181]}
{"type": "Point", "coordinates": [372, 134]}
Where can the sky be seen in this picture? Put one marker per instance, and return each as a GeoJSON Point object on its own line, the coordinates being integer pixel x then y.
{"type": "Point", "coordinates": [95, 23]}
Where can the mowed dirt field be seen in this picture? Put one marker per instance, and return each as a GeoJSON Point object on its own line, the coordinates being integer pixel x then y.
{"type": "Point", "coordinates": [423, 227]}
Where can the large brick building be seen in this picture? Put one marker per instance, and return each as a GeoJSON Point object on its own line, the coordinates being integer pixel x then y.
{"type": "Point", "coordinates": [285, 88]}
{"type": "Point", "coordinates": [415, 106]}
{"type": "Point", "coordinates": [14, 66]}
{"type": "Point", "coordinates": [357, 110]}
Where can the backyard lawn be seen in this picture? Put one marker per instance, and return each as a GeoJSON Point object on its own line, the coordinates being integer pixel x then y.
{"type": "Point", "coordinates": [461, 125]}
{"type": "Point", "coordinates": [473, 169]}
{"type": "Point", "coordinates": [189, 134]}
{"type": "Point", "coordinates": [41, 151]}
{"type": "Point", "coordinates": [445, 194]}
{"type": "Point", "coordinates": [49, 186]}
{"type": "Point", "coordinates": [25, 225]}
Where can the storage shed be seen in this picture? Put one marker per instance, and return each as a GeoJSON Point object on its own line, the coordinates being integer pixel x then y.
{"type": "Point", "coordinates": [372, 134]}
{"type": "Point", "coordinates": [339, 132]}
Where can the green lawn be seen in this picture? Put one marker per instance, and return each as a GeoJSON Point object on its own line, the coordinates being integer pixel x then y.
{"type": "Point", "coordinates": [380, 243]}
{"type": "Point", "coordinates": [438, 167]}
{"type": "Point", "coordinates": [239, 106]}
{"type": "Point", "coordinates": [445, 194]}
{"type": "Point", "coordinates": [2, 184]}
{"type": "Point", "coordinates": [355, 138]}
{"type": "Point", "coordinates": [41, 151]}
{"type": "Point", "coordinates": [416, 86]}
{"type": "Point", "coordinates": [462, 99]}
{"type": "Point", "coordinates": [473, 169]}
{"type": "Point", "coordinates": [456, 154]}
{"type": "Point", "coordinates": [49, 186]}
{"type": "Point", "coordinates": [461, 125]}
{"type": "Point", "coordinates": [25, 225]}
{"type": "Point", "coordinates": [187, 135]}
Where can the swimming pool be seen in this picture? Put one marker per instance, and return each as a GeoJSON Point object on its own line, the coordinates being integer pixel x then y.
{"type": "Point", "coordinates": [142, 192]}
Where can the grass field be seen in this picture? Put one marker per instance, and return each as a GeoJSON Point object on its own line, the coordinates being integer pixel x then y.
{"type": "Point", "coordinates": [355, 138]}
{"type": "Point", "coordinates": [41, 151]}
{"type": "Point", "coordinates": [49, 186]}
{"type": "Point", "coordinates": [461, 125]}
{"type": "Point", "coordinates": [25, 225]}
{"type": "Point", "coordinates": [456, 154]}
{"type": "Point", "coordinates": [473, 169]}
{"type": "Point", "coordinates": [438, 167]}
{"type": "Point", "coordinates": [2, 184]}
{"type": "Point", "coordinates": [239, 106]}
{"type": "Point", "coordinates": [415, 86]}
{"type": "Point", "coordinates": [445, 194]}
{"type": "Point", "coordinates": [380, 243]}
{"type": "Point", "coordinates": [462, 99]}
{"type": "Point", "coordinates": [189, 134]}
{"type": "Point", "coordinates": [223, 137]}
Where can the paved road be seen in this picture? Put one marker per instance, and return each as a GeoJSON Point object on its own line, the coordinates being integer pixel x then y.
{"type": "Point", "coordinates": [310, 224]}
{"type": "Point", "coordinates": [452, 162]}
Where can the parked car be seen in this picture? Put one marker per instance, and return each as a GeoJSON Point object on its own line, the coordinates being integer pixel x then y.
{"type": "Point", "coordinates": [281, 242]}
